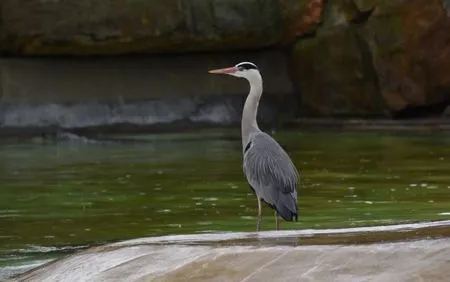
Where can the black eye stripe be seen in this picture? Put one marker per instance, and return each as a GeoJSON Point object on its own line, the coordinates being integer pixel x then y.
{"type": "Point", "coordinates": [247, 66]}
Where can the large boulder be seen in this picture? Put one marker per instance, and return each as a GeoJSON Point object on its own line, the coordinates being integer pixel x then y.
{"type": "Point", "coordinates": [335, 75]}
{"type": "Point", "coordinates": [90, 27]}
{"type": "Point", "coordinates": [410, 45]}
{"type": "Point", "coordinates": [376, 58]}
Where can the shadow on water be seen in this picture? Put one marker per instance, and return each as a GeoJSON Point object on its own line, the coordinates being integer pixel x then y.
{"type": "Point", "coordinates": [57, 198]}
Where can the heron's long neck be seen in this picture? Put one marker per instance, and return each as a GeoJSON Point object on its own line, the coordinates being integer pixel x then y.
{"type": "Point", "coordinates": [249, 123]}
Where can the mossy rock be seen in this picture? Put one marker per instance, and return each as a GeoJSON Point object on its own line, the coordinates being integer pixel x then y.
{"type": "Point", "coordinates": [409, 43]}
{"type": "Point", "coordinates": [340, 12]}
{"type": "Point", "coordinates": [395, 60]}
{"type": "Point", "coordinates": [334, 74]}
{"type": "Point", "coordinates": [366, 5]}
{"type": "Point", "coordinates": [91, 27]}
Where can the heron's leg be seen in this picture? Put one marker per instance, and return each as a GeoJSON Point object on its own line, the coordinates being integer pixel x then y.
{"type": "Point", "coordinates": [258, 223]}
{"type": "Point", "coordinates": [277, 221]}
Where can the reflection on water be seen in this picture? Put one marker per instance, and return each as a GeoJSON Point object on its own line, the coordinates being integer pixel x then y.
{"type": "Point", "coordinates": [68, 195]}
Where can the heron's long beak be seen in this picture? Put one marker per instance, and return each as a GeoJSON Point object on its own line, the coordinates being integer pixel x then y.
{"type": "Point", "coordinates": [225, 70]}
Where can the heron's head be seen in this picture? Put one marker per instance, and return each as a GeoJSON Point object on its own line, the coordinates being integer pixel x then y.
{"type": "Point", "coordinates": [245, 69]}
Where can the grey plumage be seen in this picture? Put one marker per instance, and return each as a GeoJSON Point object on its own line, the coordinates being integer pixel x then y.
{"type": "Point", "coordinates": [271, 174]}
{"type": "Point", "coordinates": [267, 167]}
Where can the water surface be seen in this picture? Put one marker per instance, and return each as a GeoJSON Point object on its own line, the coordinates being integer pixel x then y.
{"type": "Point", "coordinates": [56, 198]}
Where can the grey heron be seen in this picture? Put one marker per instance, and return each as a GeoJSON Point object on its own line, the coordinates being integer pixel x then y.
{"type": "Point", "coordinates": [268, 169]}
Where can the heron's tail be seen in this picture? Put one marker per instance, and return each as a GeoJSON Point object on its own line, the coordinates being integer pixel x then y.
{"type": "Point", "coordinates": [287, 207]}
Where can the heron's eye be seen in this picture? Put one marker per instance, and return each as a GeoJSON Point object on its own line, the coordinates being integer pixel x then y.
{"type": "Point", "coordinates": [240, 68]}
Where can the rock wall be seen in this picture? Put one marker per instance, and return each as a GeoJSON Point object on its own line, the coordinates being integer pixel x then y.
{"type": "Point", "coordinates": [376, 58]}
{"type": "Point", "coordinates": [87, 27]}
{"type": "Point", "coordinates": [365, 58]}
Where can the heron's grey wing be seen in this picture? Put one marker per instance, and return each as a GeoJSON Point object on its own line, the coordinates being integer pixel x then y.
{"type": "Point", "coordinates": [271, 173]}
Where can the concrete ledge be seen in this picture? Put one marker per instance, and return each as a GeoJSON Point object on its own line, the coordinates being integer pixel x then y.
{"type": "Point", "coordinates": [266, 256]}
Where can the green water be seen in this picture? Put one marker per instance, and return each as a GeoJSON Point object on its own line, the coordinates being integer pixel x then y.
{"type": "Point", "coordinates": [57, 196]}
